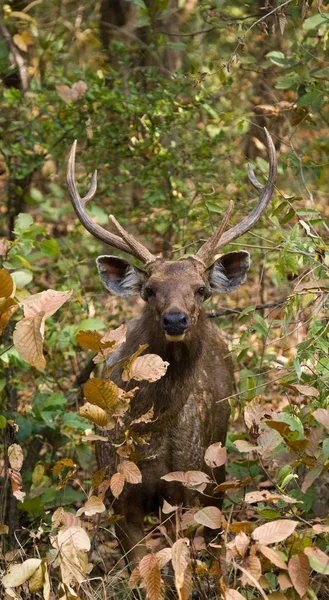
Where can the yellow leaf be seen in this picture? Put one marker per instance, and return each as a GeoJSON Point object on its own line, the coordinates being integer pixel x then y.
{"type": "Point", "coordinates": [8, 307]}
{"type": "Point", "coordinates": [3, 529]}
{"type": "Point", "coordinates": [47, 302]}
{"type": "Point", "coordinates": [19, 573]}
{"type": "Point", "coordinates": [28, 340]}
{"type": "Point", "coordinates": [37, 580]}
{"type": "Point", "coordinates": [94, 413]}
{"type": "Point", "coordinates": [149, 367]}
{"type": "Point", "coordinates": [19, 42]}
{"type": "Point", "coordinates": [128, 364]}
{"type": "Point", "coordinates": [89, 340]}
{"type": "Point", "coordinates": [61, 464]}
{"type": "Point", "coordinates": [93, 506]}
{"type": "Point", "coordinates": [7, 285]}
{"type": "Point", "coordinates": [101, 392]}
{"type": "Point", "coordinates": [15, 456]}
{"type": "Point", "coordinates": [21, 16]}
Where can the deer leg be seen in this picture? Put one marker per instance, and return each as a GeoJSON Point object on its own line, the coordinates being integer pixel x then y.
{"type": "Point", "coordinates": [130, 533]}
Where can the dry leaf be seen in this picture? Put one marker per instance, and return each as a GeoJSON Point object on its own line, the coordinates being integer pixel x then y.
{"type": "Point", "coordinates": [274, 531]}
{"type": "Point", "coordinates": [244, 446]}
{"type": "Point", "coordinates": [267, 496]}
{"type": "Point", "coordinates": [130, 471]}
{"type": "Point", "coordinates": [253, 566]}
{"type": "Point", "coordinates": [298, 569]}
{"type": "Point", "coordinates": [321, 528]}
{"type": "Point", "coordinates": [76, 536]}
{"type": "Point", "coordinates": [4, 529]}
{"type": "Point", "coordinates": [4, 247]}
{"type": "Point", "coordinates": [150, 572]}
{"type": "Point", "coordinates": [149, 367]}
{"type": "Point", "coordinates": [305, 390]}
{"type": "Point", "coordinates": [90, 340]}
{"type": "Point", "coordinates": [16, 484]}
{"type": "Point", "coordinates": [215, 455]}
{"type": "Point", "coordinates": [111, 342]}
{"type": "Point", "coordinates": [209, 516]}
{"type": "Point", "coordinates": [92, 507]}
{"type": "Point", "coordinates": [242, 543]}
{"type": "Point", "coordinates": [254, 412]}
{"type": "Point", "coordinates": [94, 414]}
{"type": "Point", "coordinates": [15, 456]}
{"type": "Point", "coordinates": [28, 340]}
{"type": "Point", "coordinates": [182, 568]}
{"type": "Point", "coordinates": [18, 574]}
{"type": "Point", "coordinates": [273, 556]}
{"type": "Point", "coordinates": [8, 307]}
{"type": "Point", "coordinates": [319, 561]}
{"type": "Point", "coordinates": [168, 508]}
{"type": "Point", "coordinates": [102, 393]}
{"type": "Point", "coordinates": [7, 285]}
{"type": "Point", "coordinates": [193, 478]}
{"type": "Point", "coordinates": [233, 595]}
{"type": "Point", "coordinates": [310, 477]}
{"type": "Point", "coordinates": [163, 557]}
{"type": "Point", "coordinates": [284, 581]}
{"type": "Point", "coordinates": [116, 484]}
{"type": "Point", "coordinates": [47, 302]}
{"type": "Point", "coordinates": [322, 417]}
{"type": "Point", "coordinates": [37, 580]}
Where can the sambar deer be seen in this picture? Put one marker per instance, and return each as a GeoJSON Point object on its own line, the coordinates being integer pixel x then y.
{"type": "Point", "coordinates": [190, 402]}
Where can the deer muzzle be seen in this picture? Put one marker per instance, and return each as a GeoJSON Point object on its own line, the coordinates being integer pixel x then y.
{"type": "Point", "coordinates": [175, 326]}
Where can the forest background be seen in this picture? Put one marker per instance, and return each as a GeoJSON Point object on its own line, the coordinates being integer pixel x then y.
{"type": "Point", "coordinates": [168, 99]}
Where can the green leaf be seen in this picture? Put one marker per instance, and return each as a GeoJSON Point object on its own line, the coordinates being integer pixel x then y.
{"type": "Point", "coordinates": [177, 45]}
{"type": "Point", "coordinates": [288, 81]}
{"type": "Point", "coordinates": [277, 58]}
{"type": "Point", "coordinates": [325, 448]}
{"type": "Point", "coordinates": [36, 195]}
{"type": "Point", "coordinates": [50, 247]}
{"type": "Point", "coordinates": [23, 222]}
{"type": "Point", "coordinates": [139, 3]}
{"type": "Point", "coordinates": [91, 324]}
{"type": "Point", "coordinates": [314, 22]}
{"type": "Point", "coordinates": [22, 278]}
{"type": "Point", "coordinates": [3, 422]}
{"type": "Point", "coordinates": [314, 100]}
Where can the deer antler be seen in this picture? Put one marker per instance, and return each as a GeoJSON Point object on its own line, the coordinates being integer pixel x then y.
{"type": "Point", "coordinates": [220, 239]}
{"type": "Point", "coordinates": [126, 242]}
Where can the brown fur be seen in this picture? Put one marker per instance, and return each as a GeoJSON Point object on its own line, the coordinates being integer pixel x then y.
{"type": "Point", "coordinates": [190, 401]}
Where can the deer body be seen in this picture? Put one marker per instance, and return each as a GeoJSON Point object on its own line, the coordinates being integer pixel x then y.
{"type": "Point", "coordinates": [190, 401]}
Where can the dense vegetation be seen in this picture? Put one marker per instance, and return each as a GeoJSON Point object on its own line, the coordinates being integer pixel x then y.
{"type": "Point", "coordinates": [168, 100]}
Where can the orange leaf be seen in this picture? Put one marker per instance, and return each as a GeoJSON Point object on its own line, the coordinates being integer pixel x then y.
{"type": "Point", "coordinates": [7, 285]}
{"type": "Point", "coordinates": [8, 307]}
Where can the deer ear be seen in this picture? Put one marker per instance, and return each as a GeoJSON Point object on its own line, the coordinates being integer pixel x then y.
{"type": "Point", "coordinates": [119, 276]}
{"type": "Point", "coordinates": [228, 271]}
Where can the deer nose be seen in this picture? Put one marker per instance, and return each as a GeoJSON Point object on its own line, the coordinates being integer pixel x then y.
{"type": "Point", "coordinates": [175, 323]}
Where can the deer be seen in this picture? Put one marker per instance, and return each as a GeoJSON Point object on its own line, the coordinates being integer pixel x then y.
{"type": "Point", "coordinates": [190, 402]}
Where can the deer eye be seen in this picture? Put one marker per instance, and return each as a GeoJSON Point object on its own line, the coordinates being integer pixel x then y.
{"type": "Point", "coordinates": [201, 290]}
{"type": "Point", "coordinates": [149, 292]}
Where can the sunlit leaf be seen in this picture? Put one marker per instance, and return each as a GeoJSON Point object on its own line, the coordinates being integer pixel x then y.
{"type": "Point", "coordinates": [94, 413]}
{"type": "Point", "coordinates": [319, 561]}
{"type": "Point", "coordinates": [47, 302]}
{"type": "Point", "coordinates": [275, 531]}
{"type": "Point", "coordinates": [101, 392]}
{"type": "Point", "coordinates": [28, 339]}
{"type": "Point", "coordinates": [7, 285]}
{"type": "Point", "coordinates": [149, 367]}
{"type": "Point", "coordinates": [92, 507]}
{"type": "Point", "coordinates": [21, 572]}
{"type": "Point", "coordinates": [15, 456]}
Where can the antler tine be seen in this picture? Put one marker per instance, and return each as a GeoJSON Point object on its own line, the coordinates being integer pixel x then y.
{"type": "Point", "coordinates": [208, 249]}
{"type": "Point", "coordinates": [265, 194]}
{"type": "Point", "coordinates": [79, 204]}
{"type": "Point", "coordinates": [136, 248]}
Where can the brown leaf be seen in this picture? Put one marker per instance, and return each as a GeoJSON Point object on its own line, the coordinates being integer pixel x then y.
{"type": "Point", "coordinates": [98, 478]}
{"type": "Point", "coordinates": [7, 285]}
{"type": "Point", "coordinates": [111, 342]}
{"type": "Point", "coordinates": [319, 561]}
{"type": "Point", "coordinates": [233, 595]}
{"type": "Point", "coordinates": [150, 572]}
{"type": "Point", "coordinates": [242, 543]}
{"type": "Point", "coordinates": [322, 417]}
{"type": "Point", "coordinates": [94, 414]}
{"type": "Point", "coordinates": [8, 307]}
{"type": "Point", "coordinates": [134, 579]}
{"type": "Point", "coordinates": [314, 437]}
{"type": "Point", "coordinates": [149, 367]}
{"type": "Point", "coordinates": [253, 566]}
{"type": "Point", "coordinates": [16, 484]}
{"type": "Point", "coordinates": [215, 455]}
{"type": "Point", "coordinates": [244, 446]}
{"type": "Point", "coordinates": [163, 557]}
{"type": "Point", "coordinates": [168, 508]}
{"type": "Point", "coordinates": [268, 442]}
{"type": "Point", "coordinates": [284, 581]}
{"type": "Point", "coordinates": [28, 340]}
{"type": "Point", "coordinates": [101, 392]}
{"type": "Point", "coordinates": [4, 247]}
{"type": "Point", "coordinates": [117, 483]}
{"type": "Point", "coordinates": [298, 569]}
{"type": "Point", "coordinates": [4, 529]}
{"type": "Point", "coordinates": [254, 412]}
{"type": "Point", "coordinates": [274, 531]}
{"type": "Point", "coordinates": [129, 363]}
{"type": "Point", "coordinates": [189, 477]}
{"type": "Point", "coordinates": [15, 456]}
{"type": "Point", "coordinates": [37, 579]}
{"type": "Point", "coordinates": [90, 340]}
{"type": "Point", "coordinates": [305, 390]}
{"type": "Point", "coordinates": [130, 471]}
{"type": "Point", "coordinates": [209, 516]}
{"type": "Point", "coordinates": [47, 302]}
{"type": "Point", "coordinates": [182, 568]}
{"type": "Point", "coordinates": [267, 496]}
{"type": "Point", "coordinates": [310, 477]}
{"type": "Point", "coordinates": [273, 556]}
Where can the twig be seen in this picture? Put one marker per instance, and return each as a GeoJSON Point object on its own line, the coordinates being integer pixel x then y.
{"type": "Point", "coordinates": [251, 578]}
{"type": "Point", "coordinates": [230, 311]}
{"type": "Point", "coordinates": [19, 60]}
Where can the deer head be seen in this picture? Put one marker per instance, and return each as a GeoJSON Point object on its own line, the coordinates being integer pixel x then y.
{"type": "Point", "coordinates": [174, 290]}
